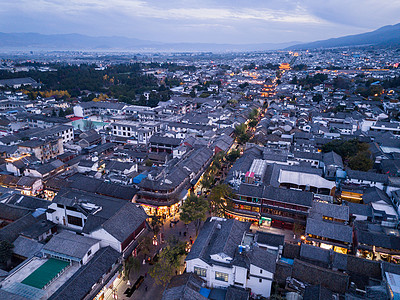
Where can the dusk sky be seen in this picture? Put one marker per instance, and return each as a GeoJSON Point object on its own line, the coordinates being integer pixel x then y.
{"type": "Point", "coordinates": [214, 21]}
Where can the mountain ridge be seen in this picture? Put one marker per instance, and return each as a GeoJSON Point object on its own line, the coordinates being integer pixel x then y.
{"type": "Point", "coordinates": [75, 41]}
{"type": "Point", "coordinates": [388, 35]}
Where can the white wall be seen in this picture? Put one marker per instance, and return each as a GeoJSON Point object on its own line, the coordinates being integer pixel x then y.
{"type": "Point", "coordinates": [106, 239]}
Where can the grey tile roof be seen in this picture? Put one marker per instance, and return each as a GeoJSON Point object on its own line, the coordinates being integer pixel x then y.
{"type": "Point", "coordinates": [271, 239]}
{"type": "Point", "coordinates": [314, 275]}
{"type": "Point", "coordinates": [130, 215]}
{"type": "Point", "coordinates": [26, 247]}
{"type": "Point", "coordinates": [310, 252]}
{"type": "Point", "coordinates": [359, 209]}
{"type": "Point", "coordinates": [335, 231]}
{"type": "Point", "coordinates": [10, 296]}
{"type": "Point", "coordinates": [333, 159]}
{"type": "Point", "coordinates": [262, 259]}
{"type": "Point", "coordinates": [71, 244]}
{"type": "Point", "coordinates": [24, 201]}
{"type": "Point", "coordinates": [159, 139]}
{"type": "Point", "coordinates": [11, 232]}
{"type": "Point", "coordinates": [370, 176]}
{"type": "Point", "coordinates": [8, 212]}
{"type": "Point", "coordinates": [236, 293]}
{"type": "Point", "coordinates": [321, 209]}
{"type": "Point", "coordinates": [81, 283]}
{"type": "Point", "coordinates": [317, 292]}
{"type": "Point", "coordinates": [277, 194]}
{"type": "Point", "coordinates": [184, 287]}
{"type": "Point", "coordinates": [214, 240]}
{"type": "Point", "coordinates": [375, 194]}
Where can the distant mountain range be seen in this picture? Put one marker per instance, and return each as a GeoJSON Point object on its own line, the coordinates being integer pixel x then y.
{"type": "Point", "coordinates": [384, 36]}
{"type": "Point", "coordinates": [36, 41]}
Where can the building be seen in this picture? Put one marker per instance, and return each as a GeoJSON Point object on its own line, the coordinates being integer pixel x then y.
{"type": "Point", "coordinates": [44, 150]}
{"type": "Point", "coordinates": [99, 217]}
{"type": "Point", "coordinates": [224, 255]}
{"type": "Point", "coordinates": [137, 133]}
{"type": "Point", "coordinates": [86, 109]}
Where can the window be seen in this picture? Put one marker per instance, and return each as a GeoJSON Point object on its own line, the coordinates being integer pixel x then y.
{"type": "Point", "coordinates": [260, 271]}
{"type": "Point", "coordinates": [200, 271]}
{"type": "Point", "coordinates": [89, 252]}
{"type": "Point", "coordinates": [221, 276]}
{"type": "Point", "coordinates": [260, 280]}
{"type": "Point", "coordinates": [60, 205]}
{"type": "Point", "coordinates": [74, 221]}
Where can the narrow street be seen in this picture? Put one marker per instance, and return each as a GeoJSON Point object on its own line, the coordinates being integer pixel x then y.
{"type": "Point", "coordinates": [154, 292]}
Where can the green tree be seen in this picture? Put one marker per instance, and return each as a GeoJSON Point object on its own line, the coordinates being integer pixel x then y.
{"type": "Point", "coordinates": [253, 123]}
{"type": "Point", "coordinates": [233, 155]}
{"type": "Point", "coordinates": [254, 114]}
{"type": "Point", "coordinates": [218, 201]}
{"type": "Point", "coordinates": [207, 181]}
{"type": "Point", "coordinates": [170, 260]}
{"type": "Point", "coordinates": [145, 246]}
{"type": "Point", "coordinates": [362, 161]}
{"type": "Point", "coordinates": [156, 223]}
{"type": "Point", "coordinates": [240, 129]}
{"type": "Point", "coordinates": [194, 210]}
{"type": "Point", "coordinates": [88, 125]}
{"type": "Point", "coordinates": [131, 264]}
{"type": "Point", "coordinates": [5, 252]}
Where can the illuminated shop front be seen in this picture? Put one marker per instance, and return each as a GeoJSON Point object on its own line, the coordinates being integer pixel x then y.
{"type": "Point", "coordinates": [167, 211]}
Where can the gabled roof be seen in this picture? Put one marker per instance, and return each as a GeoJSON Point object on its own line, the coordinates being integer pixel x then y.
{"type": "Point", "coordinates": [26, 247]}
{"type": "Point", "coordinates": [70, 244]}
{"type": "Point", "coordinates": [370, 176]}
{"type": "Point", "coordinates": [333, 159]}
{"type": "Point", "coordinates": [218, 236]}
{"type": "Point", "coordinates": [184, 287]}
{"type": "Point", "coordinates": [82, 282]}
{"type": "Point", "coordinates": [130, 215]}
{"type": "Point", "coordinates": [334, 231]}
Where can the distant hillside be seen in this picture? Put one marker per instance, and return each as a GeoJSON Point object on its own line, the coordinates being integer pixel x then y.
{"type": "Point", "coordinates": [36, 41]}
{"type": "Point", "coordinates": [384, 36]}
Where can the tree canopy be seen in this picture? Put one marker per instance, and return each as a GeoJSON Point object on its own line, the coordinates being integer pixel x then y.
{"type": "Point", "coordinates": [170, 260]}
{"type": "Point", "coordinates": [218, 201]}
{"type": "Point", "coordinates": [194, 210]}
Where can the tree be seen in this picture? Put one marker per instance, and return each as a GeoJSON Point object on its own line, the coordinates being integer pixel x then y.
{"type": "Point", "coordinates": [145, 246]}
{"type": "Point", "coordinates": [233, 155]}
{"type": "Point", "coordinates": [240, 129]}
{"type": "Point", "coordinates": [156, 223]}
{"type": "Point", "coordinates": [162, 271]}
{"type": "Point", "coordinates": [253, 123]}
{"type": "Point", "coordinates": [362, 161]}
{"type": "Point", "coordinates": [5, 252]}
{"type": "Point", "coordinates": [194, 210]}
{"type": "Point", "coordinates": [88, 125]}
{"type": "Point", "coordinates": [207, 181]}
{"type": "Point", "coordinates": [254, 114]}
{"type": "Point", "coordinates": [218, 201]}
{"type": "Point", "coordinates": [317, 98]}
{"type": "Point", "coordinates": [170, 259]}
{"type": "Point", "coordinates": [131, 263]}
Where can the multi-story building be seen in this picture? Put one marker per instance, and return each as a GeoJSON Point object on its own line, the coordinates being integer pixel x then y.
{"type": "Point", "coordinates": [135, 131]}
{"type": "Point", "coordinates": [86, 109]}
{"type": "Point", "coordinates": [99, 217]}
{"type": "Point", "coordinates": [44, 150]}
{"type": "Point", "coordinates": [226, 254]}
{"type": "Point", "coordinates": [163, 189]}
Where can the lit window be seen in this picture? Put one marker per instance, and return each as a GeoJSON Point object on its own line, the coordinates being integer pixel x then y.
{"type": "Point", "coordinates": [200, 271]}
{"type": "Point", "coordinates": [221, 276]}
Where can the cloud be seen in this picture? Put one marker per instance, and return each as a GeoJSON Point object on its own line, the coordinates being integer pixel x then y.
{"type": "Point", "coordinates": [205, 21]}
